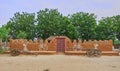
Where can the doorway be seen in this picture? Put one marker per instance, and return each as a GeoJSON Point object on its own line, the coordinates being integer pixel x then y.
{"type": "Point", "coordinates": [60, 44]}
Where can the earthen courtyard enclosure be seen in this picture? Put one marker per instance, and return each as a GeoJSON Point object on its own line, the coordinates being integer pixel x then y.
{"type": "Point", "coordinates": [62, 44]}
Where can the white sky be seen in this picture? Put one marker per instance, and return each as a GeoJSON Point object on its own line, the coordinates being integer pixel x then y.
{"type": "Point", "coordinates": [101, 8]}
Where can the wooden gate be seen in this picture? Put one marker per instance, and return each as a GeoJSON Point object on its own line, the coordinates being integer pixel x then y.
{"type": "Point", "coordinates": [60, 44]}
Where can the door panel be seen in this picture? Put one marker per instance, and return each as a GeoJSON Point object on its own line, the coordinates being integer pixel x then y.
{"type": "Point", "coordinates": [60, 44]}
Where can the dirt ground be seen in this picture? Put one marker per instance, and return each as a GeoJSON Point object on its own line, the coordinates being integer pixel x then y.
{"type": "Point", "coordinates": [58, 63]}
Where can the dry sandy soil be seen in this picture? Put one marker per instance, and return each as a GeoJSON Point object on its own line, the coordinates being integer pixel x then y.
{"type": "Point", "coordinates": [58, 63]}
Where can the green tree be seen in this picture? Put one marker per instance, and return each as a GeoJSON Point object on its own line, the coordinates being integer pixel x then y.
{"type": "Point", "coordinates": [116, 27]}
{"type": "Point", "coordinates": [22, 35]}
{"type": "Point", "coordinates": [67, 28]}
{"type": "Point", "coordinates": [104, 29]}
{"type": "Point", "coordinates": [85, 24]}
{"type": "Point", "coordinates": [52, 23]}
{"type": "Point", "coordinates": [48, 23]}
{"type": "Point", "coordinates": [71, 31]}
{"type": "Point", "coordinates": [22, 22]}
{"type": "Point", "coordinates": [4, 34]}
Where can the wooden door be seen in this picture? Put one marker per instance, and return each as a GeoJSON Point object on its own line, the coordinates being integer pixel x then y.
{"type": "Point", "coordinates": [60, 44]}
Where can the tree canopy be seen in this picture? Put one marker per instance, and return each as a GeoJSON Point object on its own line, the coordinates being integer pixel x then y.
{"type": "Point", "coordinates": [22, 22]}
{"type": "Point", "coordinates": [4, 33]}
{"type": "Point", "coordinates": [50, 22]}
{"type": "Point", "coordinates": [85, 24]}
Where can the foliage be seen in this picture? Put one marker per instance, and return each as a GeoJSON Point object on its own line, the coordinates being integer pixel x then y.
{"type": "Point", "coordinates": [85, 24]}
{"type": "Point", "coordinates": [109, 28]}
{"type": "Point", "coordinates": [116, 42]}
{"type": "Point", "coordinates": [104, 29]}
{"type": "Point", "coordinates": [50, 22]}
{"type": "Point", "coordinates": [21, 34]}
{"type": "Point", "coordinates": [116, 27]}
{"type": "Point", "coordinates": [22, 22]}
{"type": "Point", "coordinates": [66, 28]}
{"type": "Point", "coordinates": [4, 32]}
{"type": "Point", "coordinates": [1, 50]}
{"type": "Point", "coordinates": [71, 31]}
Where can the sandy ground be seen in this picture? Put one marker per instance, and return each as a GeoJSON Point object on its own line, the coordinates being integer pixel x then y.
{"type": "Point", "coordinates": [58, 63]}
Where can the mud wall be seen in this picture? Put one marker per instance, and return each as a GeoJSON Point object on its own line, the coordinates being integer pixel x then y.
{"type": "Point", "coordinates": [50, 45]}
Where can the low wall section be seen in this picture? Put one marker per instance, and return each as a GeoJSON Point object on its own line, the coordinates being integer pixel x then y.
{"type": "Point", "coordinates": [105, 45]}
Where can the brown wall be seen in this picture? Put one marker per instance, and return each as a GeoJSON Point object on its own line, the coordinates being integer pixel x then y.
{"type": "Point", "coordinates": [52, 45]}
{"type": "Point", "coordinates": [105, 45]}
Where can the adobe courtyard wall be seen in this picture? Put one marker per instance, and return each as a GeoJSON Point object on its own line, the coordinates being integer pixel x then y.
{"type": "Point", "coordinates": [40, 45]}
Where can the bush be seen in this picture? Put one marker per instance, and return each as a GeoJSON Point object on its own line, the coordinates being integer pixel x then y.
{"type": "Point", "coordinates": [116, 42]}
{"type": "Point", "coordinates": [93, 52]}
{"type": "Point", "coordinates": [15, 52]}
{"type": "Point", "coordinates": [1, 50]}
